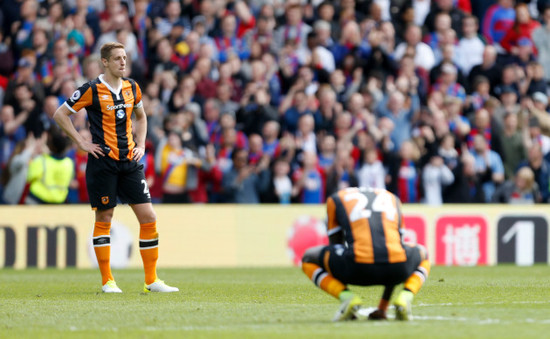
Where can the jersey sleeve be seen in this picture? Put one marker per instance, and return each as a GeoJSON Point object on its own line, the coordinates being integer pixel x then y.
{"type": "Point", "coordinates": [137, 102]}
{"type": "Point", "coordinates": [81, 98]}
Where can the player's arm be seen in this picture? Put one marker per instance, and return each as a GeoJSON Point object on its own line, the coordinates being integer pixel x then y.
{"type": "Point", "coordinates": [140, 131]}
{"type": "Point", "coordinates": [62, 117]}
{"type": "Point", "coordinates": [335, 234]}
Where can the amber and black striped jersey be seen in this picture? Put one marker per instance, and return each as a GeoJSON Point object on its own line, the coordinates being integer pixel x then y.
{"type": "Point", "coordinates": [371, 221]}
{"type": "Point", "coordinates": [109, 113]}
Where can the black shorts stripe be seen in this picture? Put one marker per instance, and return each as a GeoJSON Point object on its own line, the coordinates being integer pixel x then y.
{"type": "Point", "coordinates": [148, 243]}
{"type": "Point", "coordinates": [97, 118]}
{"type": "Point", "coordinates": [102, 241]}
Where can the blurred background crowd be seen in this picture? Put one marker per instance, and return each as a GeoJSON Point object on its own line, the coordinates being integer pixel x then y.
{"type": "Point", "coordinates": [438, 101]}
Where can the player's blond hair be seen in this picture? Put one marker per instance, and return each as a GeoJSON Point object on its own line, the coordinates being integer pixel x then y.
{"type": "Point", "coordinates": [108, 47]}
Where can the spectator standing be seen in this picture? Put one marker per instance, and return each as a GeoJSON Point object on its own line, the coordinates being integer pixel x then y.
{"type": "Point", "coordinates": [523, 27]}
{"type": "Point", "coordinates": [497, 20]}
{"type": "Point", "coordinates": [445, 6]}
{"type": "Point", "coordinates": [14, 176]}
{"type": "Point", "coordinates": [423, 54]}
{"type": "Point", "coordinates": [50, 174]}
{"type": "Point", "coordinates": [469, 51]}
{"type": "Point", "coordinates": [435, 175]}
{"type": "Point", "coordinates": [541, 38]}
{"type": "Point", "coordinates": [488, 68]}
{"type": "Point", "coordinates": [514, 146]}
{"type": "Point", "coordinates": [294, 29]}
{"type": "Point", "coordinates": [244, 183]}
{"type": "Point", "coordinates": [309, 181]}
{"type": "Point", "coordinates": [371, 173]}
{"type": "Point", "coordinates": [488, 165]}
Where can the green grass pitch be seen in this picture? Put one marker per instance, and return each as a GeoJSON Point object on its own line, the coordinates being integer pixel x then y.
{"type": "Point", "coordinates": [455, 302]}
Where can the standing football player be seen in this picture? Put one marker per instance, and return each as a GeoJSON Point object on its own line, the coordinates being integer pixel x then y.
{"type": "Point", "coordinates": [113, 171]}
{"type": "Point", "coordinates": [366, 248]}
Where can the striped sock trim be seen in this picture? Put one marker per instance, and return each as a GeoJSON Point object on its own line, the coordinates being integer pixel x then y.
{"type": "Point", "coordinates": [101, 241]}
{"type": "Point", "coordinates": [420, 275]}
{"type": "Point", "coordinates": [145, 244]}
{"type": "Point", "coordinates": [318, 276]}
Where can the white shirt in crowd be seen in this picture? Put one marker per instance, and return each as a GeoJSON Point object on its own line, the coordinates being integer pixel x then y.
{"type": "Point", "coordinates": [372, 175]}
{"type": "Point", "coordinates": [469, 53]}
{"type": "Point", "coordinates": [424, 57]}
{"type": "Point", "coordinates": [433, 179]}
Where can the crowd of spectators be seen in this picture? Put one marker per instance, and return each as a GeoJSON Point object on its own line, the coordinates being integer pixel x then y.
{"type": "Point", "coordinates": [439, 101]}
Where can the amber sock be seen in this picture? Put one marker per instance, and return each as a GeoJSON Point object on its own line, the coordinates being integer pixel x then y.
{"type": "Point", "coordinates": [415, 281]}
{"type": "Point", "coordinates": [149, 249]}
{"type": "Point", "coordinates": [102, 248]}
{"type": "Point", "coordinates": [323, 279]}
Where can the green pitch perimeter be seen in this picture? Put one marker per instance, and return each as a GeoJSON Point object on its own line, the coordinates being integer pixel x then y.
{"type": "Point", "coordinates": [477, 302]}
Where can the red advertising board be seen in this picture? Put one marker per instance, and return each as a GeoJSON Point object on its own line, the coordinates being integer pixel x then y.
{"type": "Point", "coordinates": [415, 229]}
{"type": "Point", "coordinates": [461, 240]}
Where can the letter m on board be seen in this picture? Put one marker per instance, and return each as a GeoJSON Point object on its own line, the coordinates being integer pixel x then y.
{"type": "Point", "coordinates": [51, 245]}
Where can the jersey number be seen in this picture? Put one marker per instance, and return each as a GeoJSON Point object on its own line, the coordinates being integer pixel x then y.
{"type": "Point", "coordinates": [145, 187]}
{"type": "Point", "coordinates": [382, 203]}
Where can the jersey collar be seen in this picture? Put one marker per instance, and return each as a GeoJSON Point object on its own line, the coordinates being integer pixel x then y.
{"type": "Point", "coordinates": [115, 91]}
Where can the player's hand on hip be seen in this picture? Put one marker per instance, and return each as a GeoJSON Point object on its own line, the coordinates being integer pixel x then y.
{"type": "Point", "coordinates": [138, 153]}
{"type": "Point", "coordinates": [93, 149]}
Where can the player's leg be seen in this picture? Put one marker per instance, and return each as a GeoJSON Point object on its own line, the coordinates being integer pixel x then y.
{"type": "Point", "coordinates": [148, 239]}
{"type": "Point", "coordinates": [380, 312]}
{"type": "Point", "coordinates": [132, 189]}
{"type": "Point", "coordinates": [315, 264]}
{"type": "Point", "coordinates": [148, 248]}
{"type": "Point", "coordinates": [102, 249]}
{"type": "Point", "coordinates": [101, 179]}
{"type": "Point", "coordinates": [417, 258]}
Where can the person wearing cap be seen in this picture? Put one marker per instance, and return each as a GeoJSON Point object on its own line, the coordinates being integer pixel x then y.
{"type": "Point", "coordinates": [537, 106]}
{"type": "Point", "coordinates": [525, 53]}
{"type": "Point", "coordinates": [537, 137]}
{"type": "Point", "coordinates": [540, 101]}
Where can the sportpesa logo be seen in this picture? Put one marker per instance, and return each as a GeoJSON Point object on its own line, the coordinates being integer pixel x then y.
{"type": "Point", "coordinates": [111, 108]}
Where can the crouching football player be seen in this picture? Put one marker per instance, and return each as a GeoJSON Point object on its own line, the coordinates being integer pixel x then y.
{"type": "Point", "coordinates": [366, 249]}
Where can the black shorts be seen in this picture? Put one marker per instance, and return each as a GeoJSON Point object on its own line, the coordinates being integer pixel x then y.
{"type": "Point", "coordinates": [109, 180]}
{"type": "Point", "coordinates": [343, 267]}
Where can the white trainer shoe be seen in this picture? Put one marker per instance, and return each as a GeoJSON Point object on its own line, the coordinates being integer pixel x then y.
{"type": "Point", "coordinates": [159, 286]}
{"type": "Point", "coordinates": [111, 287]}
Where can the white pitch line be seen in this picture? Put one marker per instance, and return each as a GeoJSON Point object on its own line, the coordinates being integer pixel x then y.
{"type": "Point", "coordinates": [484, 303]}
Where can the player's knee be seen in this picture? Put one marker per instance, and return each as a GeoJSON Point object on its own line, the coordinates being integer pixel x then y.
{"type": "Point", "coordinates": [312, 255]}
{"type": "Point", "coordinates": [104, 215]}
{"type": "Point", "coordinates": [145, 213]}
